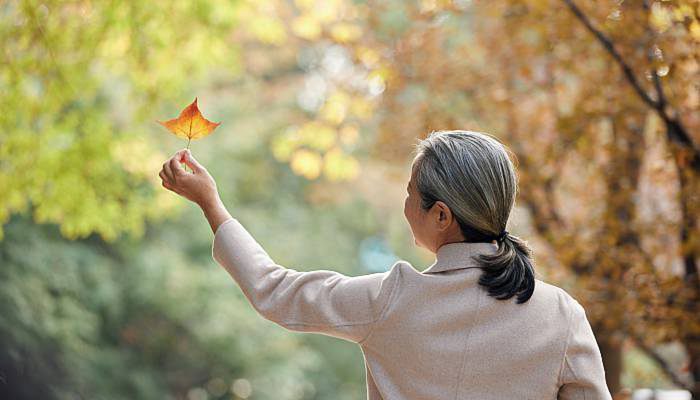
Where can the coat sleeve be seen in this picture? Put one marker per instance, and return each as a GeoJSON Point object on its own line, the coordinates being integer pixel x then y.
{"type": "Point", "coordinates": [582, 374]}
{"type": "Point", "coordinates": [321, 301]}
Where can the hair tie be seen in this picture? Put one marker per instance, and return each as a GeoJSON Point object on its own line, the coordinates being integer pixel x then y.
{"type": "Point", "coordinates": [502, 235]}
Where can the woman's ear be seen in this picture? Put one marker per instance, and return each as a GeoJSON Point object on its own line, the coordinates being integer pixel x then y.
{"type": "Point", "coordinates": [442, 216]}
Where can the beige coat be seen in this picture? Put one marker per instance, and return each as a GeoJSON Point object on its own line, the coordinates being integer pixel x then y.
{"type": "Point", "coordinates": [430, 335]}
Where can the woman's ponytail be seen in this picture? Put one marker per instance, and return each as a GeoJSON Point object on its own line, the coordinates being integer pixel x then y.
{"type": "Point", "coordinates": [509, 271]}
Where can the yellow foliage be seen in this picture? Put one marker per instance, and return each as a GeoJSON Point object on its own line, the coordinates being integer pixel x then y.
{"type": "Point", "coordinates": [306, 27]}
{"type": "Point", "coordinates": [339, 166]}
{"type": "Point", "coordinates": [138, 157]}
{"type": "Point", "coordinates": [369, 57]}
{"type": "Point", "coordinates": [335, 108]}
{"type": "Point", "coordinates": [380, 73]}
{"type": "Point", "coordinates": [317, 135]}
{"type": "Point", "coordinates": [695, 30]}
{"type": "Point", "coordinates": [344, 32]}
{"type": "Point", "coordinates": [327, 10]}
{"type": "Point", "coordinates": [682, 11]}
{"type": "Point", "coordinates": [660, 17]}
{"type": "Point", "coordinates": [284, 144]}
{"type": "Point", "coordinates": [304, 4]}
{"type": "Point", "coordinates": [361, 108]}
{"type": "Point", "coordinates": [428, 5]}
{"type": "Point", "coordinates": [306, 163]}
{"type": "Point", "coordinates": [268, 29]}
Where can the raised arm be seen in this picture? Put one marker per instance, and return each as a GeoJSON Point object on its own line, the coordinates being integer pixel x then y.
{"type": "Point", "coordinates": [321, 301]}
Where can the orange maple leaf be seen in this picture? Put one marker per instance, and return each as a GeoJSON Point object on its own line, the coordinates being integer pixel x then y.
{"type": "Point", "coordinates": [190, 124]}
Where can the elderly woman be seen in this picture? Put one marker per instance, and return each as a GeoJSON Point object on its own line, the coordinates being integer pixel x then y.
{"type": "Point", "coordinates": [476, 324]}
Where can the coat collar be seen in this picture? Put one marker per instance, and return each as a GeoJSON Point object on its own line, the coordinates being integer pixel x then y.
{"type": "Point", "coordinates": [457, 255]}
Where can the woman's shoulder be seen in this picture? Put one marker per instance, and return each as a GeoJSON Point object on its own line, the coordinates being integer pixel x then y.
{"type": "Point", "coordinates": [554, 294]}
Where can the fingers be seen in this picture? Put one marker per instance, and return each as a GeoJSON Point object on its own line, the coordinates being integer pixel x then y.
{"type": "Point", "coordinates": [173, 171]}
{"type": "Point", "coordinates": [191, 161]}
{"type": "Point", "coordinates": [175, 166]}
{"type": "Point", "coordinates": [166, 182]}
{"type": "Point", "coordinates": [168, 172]}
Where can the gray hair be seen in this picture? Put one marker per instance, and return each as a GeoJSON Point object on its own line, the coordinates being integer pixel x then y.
{"type": "Point", "coordinates": [473, 173]}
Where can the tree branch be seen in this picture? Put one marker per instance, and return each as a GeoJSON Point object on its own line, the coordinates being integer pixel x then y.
{"type": "Point", "coordinates": [664, 365]}
{"type": "Point", "coordinates": [610, 48]}
{"type": "Point", "coordinates": [675, 131]}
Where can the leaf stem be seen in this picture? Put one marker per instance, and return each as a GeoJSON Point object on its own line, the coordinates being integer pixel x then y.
{"type": "Point", "coordinates": [189, 139]}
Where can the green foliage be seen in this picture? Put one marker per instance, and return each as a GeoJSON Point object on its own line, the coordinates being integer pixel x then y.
{"type": "Point", "coordinates": [81, 84]}
{"type": "Point", "coordinates": [140, 321]}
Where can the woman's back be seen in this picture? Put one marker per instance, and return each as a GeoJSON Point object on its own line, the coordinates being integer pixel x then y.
{"type": "Point", "coordinates": [442, 337]}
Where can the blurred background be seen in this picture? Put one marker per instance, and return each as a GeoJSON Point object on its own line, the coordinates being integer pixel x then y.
{"type": "Point", "coordinates": [107, 285]}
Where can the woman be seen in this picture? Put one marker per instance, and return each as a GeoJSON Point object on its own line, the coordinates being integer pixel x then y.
{"type": "Point", "coordinates": [476, 324]}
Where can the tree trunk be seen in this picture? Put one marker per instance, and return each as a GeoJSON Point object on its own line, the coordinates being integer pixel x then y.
{"type": "Point", "coordinates": [611, 350]}
{"type": "Point", "coordinates": [693, 347]}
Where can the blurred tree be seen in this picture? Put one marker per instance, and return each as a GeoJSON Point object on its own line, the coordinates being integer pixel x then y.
{"type": "Point", "coordinates": [670, 37]}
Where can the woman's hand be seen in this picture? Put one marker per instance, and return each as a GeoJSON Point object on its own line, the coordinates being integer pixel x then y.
{"type": "Point", "coordinates": [197, 186]}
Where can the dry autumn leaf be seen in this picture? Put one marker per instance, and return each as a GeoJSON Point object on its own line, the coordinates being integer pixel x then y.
{"type": "Point", "coordinates": [190, 124]}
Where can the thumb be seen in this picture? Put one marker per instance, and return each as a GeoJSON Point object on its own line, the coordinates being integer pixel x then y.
{"type": "Point", "coordinates": [189, 160]}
